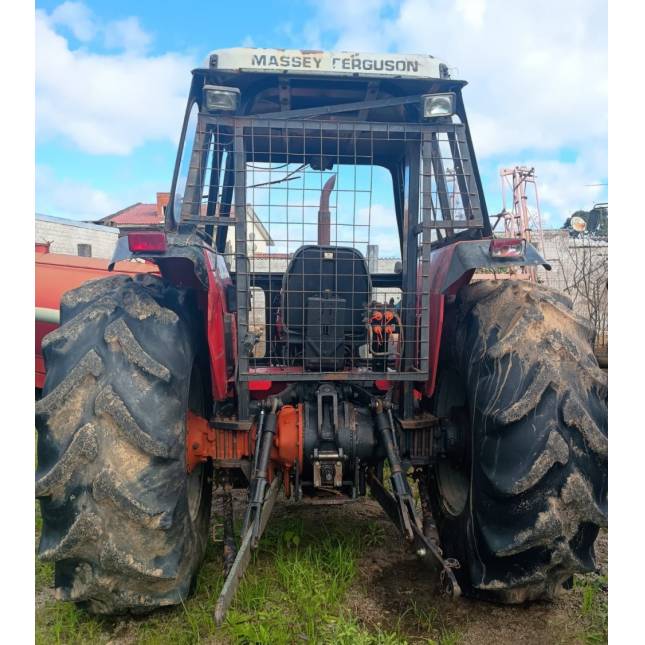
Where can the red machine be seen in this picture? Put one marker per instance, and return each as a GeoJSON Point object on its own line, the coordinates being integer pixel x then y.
{"type": "Point", "coordinates": [276, 351]}
{"type": "Point", "coordinates": [56, 274]}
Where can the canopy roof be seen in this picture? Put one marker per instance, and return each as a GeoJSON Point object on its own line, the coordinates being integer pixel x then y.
{"type": "Point", "coordinates": [307, 61]}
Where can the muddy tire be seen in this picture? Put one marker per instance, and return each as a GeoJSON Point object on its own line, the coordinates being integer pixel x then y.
{"type": "Point", "coordinates": [123, 521]}
{"type": "Point", "coordinates": [521, 504]}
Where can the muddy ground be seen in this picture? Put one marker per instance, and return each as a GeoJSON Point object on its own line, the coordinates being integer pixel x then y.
{"type": "Point", "coordinates": [391, 597]}
{"type": "Point", "coordinates": [392, 585]}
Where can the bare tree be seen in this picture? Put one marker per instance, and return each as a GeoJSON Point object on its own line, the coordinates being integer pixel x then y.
{"type": "Point", "coordinates": [585, 273]}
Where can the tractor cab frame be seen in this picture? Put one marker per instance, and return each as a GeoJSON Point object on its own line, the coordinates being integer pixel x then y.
{"type": "Point", "coordinates": [263, 134]}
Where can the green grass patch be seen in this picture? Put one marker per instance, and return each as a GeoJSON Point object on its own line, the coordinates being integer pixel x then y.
{"type": "Point", "coordinates": [294, 591]}
{"type": "Point", "coordinates": [44, 570]}
{"type": "Point", "coordinates": [594, 613]}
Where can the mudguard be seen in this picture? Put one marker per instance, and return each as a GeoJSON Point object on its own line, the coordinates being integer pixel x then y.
{"type": "Point", "coordinates": [189, 263]}
{"type": "Point", "coordinates": [451, 267]}
{"type": "Point", "coordinates": [183, 263]}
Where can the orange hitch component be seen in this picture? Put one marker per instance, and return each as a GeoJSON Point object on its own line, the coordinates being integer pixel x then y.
{"type": "Point", "coordinates": [288, 442]}
{"type": "Point", "coordinates": [203, 441]}
{"type": "Point", "coordinates": [224, 445]}
{"type": "Point", "coordinates": [200, 440]}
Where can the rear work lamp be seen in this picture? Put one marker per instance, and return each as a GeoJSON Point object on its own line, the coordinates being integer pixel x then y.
{"type": "Point", "coordinates": [221, 99]}
{"type": "Point", "coordinates": [436, 105]}
{"type": "Point", "coordinates": [152, 241]}
{"type": "Point", "coordinates": [507, 248]}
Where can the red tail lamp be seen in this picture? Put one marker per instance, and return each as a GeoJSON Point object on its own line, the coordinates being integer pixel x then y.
{"type": "Point", "coordinates": [147, 242]}
{"type": "Point", "coordinates": [507, 248]}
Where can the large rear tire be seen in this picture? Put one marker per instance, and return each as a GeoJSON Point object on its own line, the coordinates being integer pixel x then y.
{"type": "Point", "coordinates": [521, 506]}
{"type": "Point", "coordinates": [124, 523]}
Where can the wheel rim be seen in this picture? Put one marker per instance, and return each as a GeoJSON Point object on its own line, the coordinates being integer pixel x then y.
{"type": "Point", "coordinates": [195, 488]}
{"type": "Point", "coordinates": [195, 483]}
{"type": "Point", "coordinates": [452, 481]}
{"type": "Point", "coordinates": [453, 487]}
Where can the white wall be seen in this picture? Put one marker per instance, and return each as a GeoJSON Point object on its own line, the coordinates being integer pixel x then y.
{"type": "Point", "coordinates": [65, 237]}
{"type": "Point", "coordinates": [582, 261]}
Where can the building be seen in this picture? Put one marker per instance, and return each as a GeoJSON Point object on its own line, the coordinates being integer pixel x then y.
{"type": "Point", "coordinates": [570, 258]}
{"type": "Point", "coordinates": [580, 269]}
{"type": "Point", "coordinates": [139, 216]}
{"type": "Point", "coordinates": [72, 237]}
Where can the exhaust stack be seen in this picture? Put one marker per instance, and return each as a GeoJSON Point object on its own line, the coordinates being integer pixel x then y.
{"type": "Point", "coordinates": [324, 224]}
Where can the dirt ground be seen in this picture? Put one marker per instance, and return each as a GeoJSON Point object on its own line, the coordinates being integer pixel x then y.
{"type": "Point", "coordinates": [393, 585]}
{"type": "Point", "coordinates": [390, 600]}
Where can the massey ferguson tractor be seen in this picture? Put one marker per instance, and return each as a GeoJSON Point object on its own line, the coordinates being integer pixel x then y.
{"type": "Point", "coordinates": [277, 350]}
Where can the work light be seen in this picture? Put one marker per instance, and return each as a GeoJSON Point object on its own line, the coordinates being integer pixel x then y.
{"type": "Point", "coordinates": [507, 248]}
{"type": "Point", "coordinates": [221, 99]}
{"type": "Point", "coordinates": [435, 105]}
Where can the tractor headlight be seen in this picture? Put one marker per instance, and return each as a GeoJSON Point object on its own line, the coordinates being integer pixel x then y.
{"type": "Point", "coordinates": [507, 248]}
{"type": "Point", "coordinates": [221, 99]}
{"type": "Point", "coordinates": [435, 105]}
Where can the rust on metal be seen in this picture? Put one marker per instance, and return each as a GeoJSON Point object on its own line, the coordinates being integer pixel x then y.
{"type": "Point", "coordinates": [231, 423]}
{"type": "Point", "coordinates": [420, 422]}
{"type": "Point", "coordinates": [323, 213]}
{"type": "Point", "coordinates": [243, 556]}
{"type": "Point", "coordinates": [421, 475]}
{"type": "Point", "coordinates": [230, 548]}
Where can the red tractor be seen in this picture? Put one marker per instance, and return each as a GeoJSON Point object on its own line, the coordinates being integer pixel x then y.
{"type": "Point", "coordinates": [276, 351]}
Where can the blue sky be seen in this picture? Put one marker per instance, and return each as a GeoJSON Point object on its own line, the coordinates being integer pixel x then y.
{"type": "Point", "coordinates": [112, 77]}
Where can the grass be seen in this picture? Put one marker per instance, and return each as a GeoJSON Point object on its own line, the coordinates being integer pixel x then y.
{"type": "Point", "coordinates": [297, 589]}
{"type": "Point", "coordinates": [593, 608]}
{"type": "Point", "coordinates": [294, 591]}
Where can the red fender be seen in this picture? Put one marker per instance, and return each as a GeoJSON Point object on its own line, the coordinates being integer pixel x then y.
{"type": "Point", "coordinates": [440, 265]}
{"type": "Point", "coordinates": [216, 313]}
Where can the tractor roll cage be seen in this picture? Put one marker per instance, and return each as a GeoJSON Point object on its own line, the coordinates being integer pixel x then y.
{"type": "Point", "coordinates": [436, 195]}
{"type": "Point", "coordinates": [255, 86]}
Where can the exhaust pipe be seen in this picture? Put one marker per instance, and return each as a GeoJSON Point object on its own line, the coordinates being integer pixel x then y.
{"type": "Point", "coordinates": [324, 222]}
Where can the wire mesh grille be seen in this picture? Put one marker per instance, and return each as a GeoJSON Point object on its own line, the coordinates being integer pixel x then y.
{"type": "Point", "coordinates": [448, 189]}
{"type": "Point", "coordinates": [327, 228]}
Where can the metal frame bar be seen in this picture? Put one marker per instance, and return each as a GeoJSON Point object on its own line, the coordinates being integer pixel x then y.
{"type": "Point", "coordinates": [412, 174]}
{"type": "Point", "coordinates": [353, 143]}
{"type": "Point", "coordinates": [274, 120]}
{"type": "Point", "coordinates": [356, 106]}
{"type": "Point", "coordinates": [461, 112]}
{"type": "Point", "coordinates": [242, 275]}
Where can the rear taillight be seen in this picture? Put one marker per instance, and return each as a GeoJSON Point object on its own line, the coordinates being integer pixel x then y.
{"type": "Point", "coordinates": [147, 242]}
{"type": "Point", "coordinates": [507, 248]}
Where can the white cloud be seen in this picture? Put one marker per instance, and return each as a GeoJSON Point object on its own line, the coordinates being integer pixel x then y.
{"type": "Point", "coordinates": [359, 25]}
{"type": "Point", "coordinates": [107, 104]}
{"type": "Point", "coordinates": [64, 197]}
{"type": "Point", "coordinates": [383, 229]}
{"type": "Point", "coordinates": [126, 34]}
{"type": "Point", "coordinates": [472, 11]}
{"type": "Point", "coordinates": [563, 186]}
{"type": "Point", "coordinates": [76, 17]}
{"type": "Point", "coordinates": [537, 73]}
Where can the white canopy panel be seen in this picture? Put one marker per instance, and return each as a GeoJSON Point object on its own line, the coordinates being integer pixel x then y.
{"type": "Point", "coordinates": [302, 61]}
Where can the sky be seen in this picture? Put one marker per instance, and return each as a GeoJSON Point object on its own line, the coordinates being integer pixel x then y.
{"type": "Point", "coordinates": [112, 80]}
